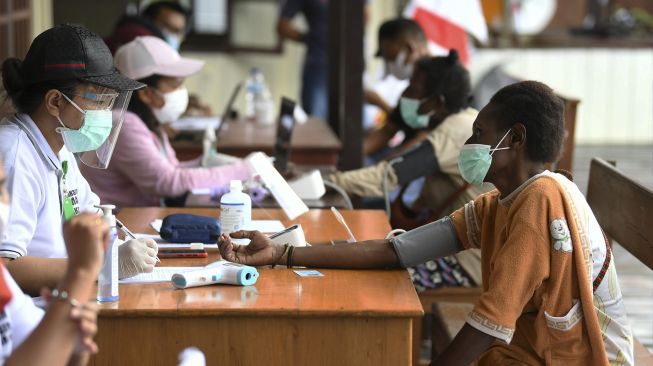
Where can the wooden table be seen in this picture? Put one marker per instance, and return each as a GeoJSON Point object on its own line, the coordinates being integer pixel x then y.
{"type": "Point", "coordinates": [347, 317]}
{"type": "Point", "coordinates": [312, 143]}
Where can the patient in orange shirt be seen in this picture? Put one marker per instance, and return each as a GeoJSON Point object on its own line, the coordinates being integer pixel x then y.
{"type": "Point", "coordinates": [550, 290]}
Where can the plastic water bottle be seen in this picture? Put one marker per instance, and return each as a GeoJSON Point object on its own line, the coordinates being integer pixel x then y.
{"type": "Point", "coordinates": [107, 283]}
{"type": "Point", "coordinates": [258, 101]}
{"type": "Point", "coordinates": [235, 208]}
{"type": "Point", "coordinates": [254, 88]}
{"type": "Point", "coordinates": [208, 145]}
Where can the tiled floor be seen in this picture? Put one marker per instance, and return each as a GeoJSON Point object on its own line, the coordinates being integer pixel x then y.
{"type": "Point", "coordinates": [636, 279]}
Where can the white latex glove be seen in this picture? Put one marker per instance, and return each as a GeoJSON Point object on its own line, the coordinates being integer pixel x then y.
{"type": "Point", "coordinates": [136, 256]}
{"type": "Point", "coordinates": [218, 159]}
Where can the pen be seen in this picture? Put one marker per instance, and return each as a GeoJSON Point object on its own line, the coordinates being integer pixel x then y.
{"type": "Point", "coordinates": [126, 231]}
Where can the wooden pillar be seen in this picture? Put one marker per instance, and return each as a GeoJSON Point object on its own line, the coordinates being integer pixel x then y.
{"type": "Point", "coordinates": [346, 79]}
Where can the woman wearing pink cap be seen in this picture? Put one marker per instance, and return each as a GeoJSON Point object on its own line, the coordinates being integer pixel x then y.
{"type": "Point", "coordinates": [144, 169]}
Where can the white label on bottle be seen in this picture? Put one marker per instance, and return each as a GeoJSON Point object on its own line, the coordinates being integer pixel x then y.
{"type": "Point", "coordinates": [232, 217]}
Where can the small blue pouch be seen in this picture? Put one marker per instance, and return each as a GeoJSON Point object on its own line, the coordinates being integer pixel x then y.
{"type": "Point", "coordinates": [186, 228]}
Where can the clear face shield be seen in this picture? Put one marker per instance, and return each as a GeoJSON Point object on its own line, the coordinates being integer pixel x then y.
{"type": "Point", "coordinates": [98, 105]}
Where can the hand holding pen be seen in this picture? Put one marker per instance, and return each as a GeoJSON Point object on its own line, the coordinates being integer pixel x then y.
{"type": "Point", "coordinates": [128, 233]}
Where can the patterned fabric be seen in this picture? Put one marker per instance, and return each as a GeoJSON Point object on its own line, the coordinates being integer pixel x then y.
{"type": "Point", "coordinates": [442, 272]}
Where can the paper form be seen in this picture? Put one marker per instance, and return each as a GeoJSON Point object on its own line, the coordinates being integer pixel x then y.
{"type": "Point", "coordinates": [160, 274]}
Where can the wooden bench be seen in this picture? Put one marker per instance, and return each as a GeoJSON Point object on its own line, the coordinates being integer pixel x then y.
{"type": "Point", "coordinates": [622, 208]}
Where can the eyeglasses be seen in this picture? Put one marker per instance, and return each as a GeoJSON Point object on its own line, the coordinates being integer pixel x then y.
{"type": "Point", "coordinates": [98, 101]}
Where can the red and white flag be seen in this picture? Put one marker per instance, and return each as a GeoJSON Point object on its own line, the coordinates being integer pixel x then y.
{"type": "Point", "coordinates": [447, 22]}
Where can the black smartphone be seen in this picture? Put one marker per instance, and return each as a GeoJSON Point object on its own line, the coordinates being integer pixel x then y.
{"type": "Point", "coordinates": [284, 134]}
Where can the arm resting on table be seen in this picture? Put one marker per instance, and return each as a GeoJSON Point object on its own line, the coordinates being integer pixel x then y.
{"type": "Point", "coordinates": [34, 273]}
{"type": "Point", "coordinates": [437, 239]}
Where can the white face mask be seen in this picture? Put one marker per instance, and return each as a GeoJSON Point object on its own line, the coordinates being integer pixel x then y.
{"type": "Point", "coordinates": [175, 105]}
{"type": "Point", "coordinates": [399, 68]}
{"type": "Point", "coordinates": [4, 217]}
{"type": "Point", "coordinates": [173, 39]}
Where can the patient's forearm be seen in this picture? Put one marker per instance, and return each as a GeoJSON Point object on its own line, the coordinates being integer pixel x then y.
{"type": "Point", "coordinates": [33, 273]}
{"type": "Point", "coordinates": [364, 255]}
{"type": "Point", "coordinates": [378, 139]}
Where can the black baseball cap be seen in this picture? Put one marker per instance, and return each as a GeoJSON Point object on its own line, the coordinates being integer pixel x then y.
{"type": "Point", "coordinates": [71, 51]}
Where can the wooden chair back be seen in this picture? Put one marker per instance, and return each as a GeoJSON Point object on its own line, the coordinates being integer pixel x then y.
{"type": "Point", "coordinates": [566, 159]}
{"type": "Point", "coordinates": [623, 209]}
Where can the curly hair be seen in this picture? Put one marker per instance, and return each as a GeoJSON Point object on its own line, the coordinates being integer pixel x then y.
{"type": "Point", "coordinates": [446, 76]}
{"type": "Point", "coordinates": [539, 109]}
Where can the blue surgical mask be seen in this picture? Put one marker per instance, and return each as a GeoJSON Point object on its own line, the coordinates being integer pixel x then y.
{"type": "Point", "coordinates": [475, 160]}
{"type": "Point", "coordinates": [408, 108]}
{"type": "Point", "coordinates": [173, 39]}
{"type": "Point", "coordinates": [95, 129]}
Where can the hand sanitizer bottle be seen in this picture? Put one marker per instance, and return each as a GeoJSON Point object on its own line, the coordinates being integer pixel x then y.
{"type": "Point", "coordinates": [235, 208]}
{"type": "Point", "coordinates": [107, 283]}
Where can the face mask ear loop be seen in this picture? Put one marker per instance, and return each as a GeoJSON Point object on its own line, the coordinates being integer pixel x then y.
{"type": "Point", "coordinates": [422, 101]}
{"type": "Point", "coordinates": [59, 129]}
{"type": "Point", "coordinates": [500, 141]}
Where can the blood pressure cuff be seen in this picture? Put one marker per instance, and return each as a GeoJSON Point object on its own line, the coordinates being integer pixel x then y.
{"type": "Point", "coordinates": [368, 182]}
{"type": "Point", "coordinates": [416, 163]}
{"type": "Point", "coordinates": [435, 240]}
{"type": "Point", "coordinates": [185, 228]}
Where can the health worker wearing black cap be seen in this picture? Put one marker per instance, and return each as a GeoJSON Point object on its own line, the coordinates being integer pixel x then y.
{"type": "Point", "coordinates": [70, 103]}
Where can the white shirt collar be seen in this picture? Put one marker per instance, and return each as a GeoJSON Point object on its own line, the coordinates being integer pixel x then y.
{"type": "Point", "coordinates": [35, 134]}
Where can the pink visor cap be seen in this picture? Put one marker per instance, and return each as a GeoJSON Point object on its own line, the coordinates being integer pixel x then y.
{"type": "Point", "coordinates": [147, 56]}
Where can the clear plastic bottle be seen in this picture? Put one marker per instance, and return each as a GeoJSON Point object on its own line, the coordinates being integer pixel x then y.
{"type": "Point", "coordinates": [107, 283]}
{"type": "Point", "coordinates": [235, 208]}
{"type": "Point", "coordinates": [208, 145]}
{"type": "Point", "coordinates": [258, 100]}
{"type": "Point", "coordinates": [253, 87]}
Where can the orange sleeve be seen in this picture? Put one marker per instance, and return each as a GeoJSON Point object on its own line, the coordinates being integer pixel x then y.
{"type": "Point", "coordinates": [467, 220]}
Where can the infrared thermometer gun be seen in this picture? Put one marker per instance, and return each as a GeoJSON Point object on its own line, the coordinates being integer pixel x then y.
{"type": "Point", "coordinates": [217, 272]}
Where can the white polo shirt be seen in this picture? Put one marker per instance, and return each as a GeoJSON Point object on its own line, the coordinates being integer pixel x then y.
{"type": "Point", "coordinates": [35, 183]}
{"type": "Point", "coordinates": [18, 319]}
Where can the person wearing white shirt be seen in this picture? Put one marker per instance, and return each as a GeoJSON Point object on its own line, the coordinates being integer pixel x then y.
{"type": "Point", "coordinates": [62, 334]}
{"type": "Point", "coordinates": [70, 103]}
